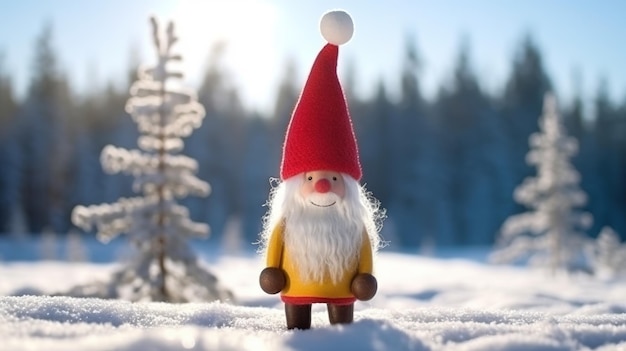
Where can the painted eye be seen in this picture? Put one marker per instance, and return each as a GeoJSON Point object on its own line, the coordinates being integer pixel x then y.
{"type": "Point", "coordinates": [309, 178]}
{"type": "Point", "coordinates": [334, 178]}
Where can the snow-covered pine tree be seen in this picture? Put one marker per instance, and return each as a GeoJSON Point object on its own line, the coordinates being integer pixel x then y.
{"type": "Point", "coordinates": [608, 254]}
{"type": "Point", "coordinates": [549, 234]}
{"type": "Point", "coordinates": [165, 268]}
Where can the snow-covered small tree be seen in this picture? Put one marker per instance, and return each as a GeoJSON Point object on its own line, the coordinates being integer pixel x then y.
{"type": "Point", "coordinates": [165, 268]}
{"type": "Point", "coordinates": [608, 254]}
{"type": "Point", "coordinates": [550, 233]}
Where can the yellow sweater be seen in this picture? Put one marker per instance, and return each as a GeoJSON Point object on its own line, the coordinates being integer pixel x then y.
{"type": "Point", "coordinates": [278, 256]}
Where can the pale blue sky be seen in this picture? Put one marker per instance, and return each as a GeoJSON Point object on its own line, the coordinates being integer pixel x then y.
{"type": "Point", "coordinates": [97, 36]}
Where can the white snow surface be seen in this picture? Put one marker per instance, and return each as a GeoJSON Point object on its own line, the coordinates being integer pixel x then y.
{"type": "Point", "coordinates": [423, 303]}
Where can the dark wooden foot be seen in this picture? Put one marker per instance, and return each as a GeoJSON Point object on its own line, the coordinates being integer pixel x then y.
{"type": "Point", "coordinates": [298, 316]}
{"type": "Point", "coordinates": [340, 314]}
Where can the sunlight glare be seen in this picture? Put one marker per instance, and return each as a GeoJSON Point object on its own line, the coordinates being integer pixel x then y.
{"type": "Point", "coordinates": [247, 26]}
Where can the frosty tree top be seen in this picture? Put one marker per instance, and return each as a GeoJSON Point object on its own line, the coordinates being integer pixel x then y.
{"type": "Point", "coordinates": [164, 114]}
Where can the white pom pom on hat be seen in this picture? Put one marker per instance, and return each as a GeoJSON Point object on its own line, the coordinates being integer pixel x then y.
{"type": "Point", "coordinates": [336, 27]}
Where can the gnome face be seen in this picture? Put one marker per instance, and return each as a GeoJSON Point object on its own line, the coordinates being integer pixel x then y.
{"type": "Point", "coordinates": [323, 188]}
{"type": "Point", "coordinates": [324, 222]}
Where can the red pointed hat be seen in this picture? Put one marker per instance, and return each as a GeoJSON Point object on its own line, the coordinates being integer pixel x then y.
{"type": "Point", "coordinates": [320, 134]}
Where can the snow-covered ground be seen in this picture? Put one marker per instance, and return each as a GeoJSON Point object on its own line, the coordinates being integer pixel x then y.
{"type": "Point", "coordinates": [423, 304]}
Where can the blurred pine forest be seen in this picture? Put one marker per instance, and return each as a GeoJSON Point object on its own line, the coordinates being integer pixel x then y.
{"type": "Point", "coordinates": [444, 168]}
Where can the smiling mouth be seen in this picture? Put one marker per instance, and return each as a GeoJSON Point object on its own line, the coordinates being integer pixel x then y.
{"type": "Point", "coordinates": [318, 205]}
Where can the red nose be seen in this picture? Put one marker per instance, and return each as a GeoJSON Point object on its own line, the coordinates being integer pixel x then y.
{"type": "Point", "coordinates": [322, 186]}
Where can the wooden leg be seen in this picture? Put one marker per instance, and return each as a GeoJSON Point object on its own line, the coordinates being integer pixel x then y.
{"type": "Point", "coordinates": [298, 316]}
{"type": "Point", "coordinates": [340, 314]}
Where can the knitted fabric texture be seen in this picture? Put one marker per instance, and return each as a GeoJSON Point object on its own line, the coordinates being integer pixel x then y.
{"type": "Point", "coordinates": [320, 134]}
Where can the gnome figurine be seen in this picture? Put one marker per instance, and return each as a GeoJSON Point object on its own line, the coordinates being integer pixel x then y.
{"type": "Point", "coordinates": [320, 232]}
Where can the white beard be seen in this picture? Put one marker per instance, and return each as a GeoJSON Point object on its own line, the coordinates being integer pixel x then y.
{"type": "Point", "coordinates": [324, 242]}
